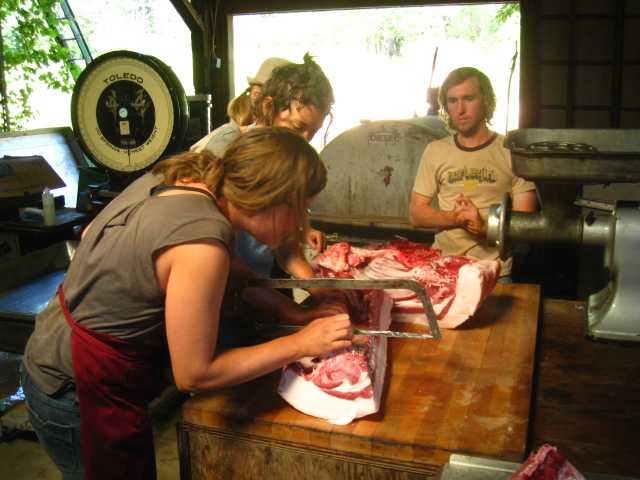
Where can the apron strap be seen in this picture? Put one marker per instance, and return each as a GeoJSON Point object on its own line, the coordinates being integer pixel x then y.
{"type": "Point", "coordinates": [65, 309]}
{"type": "Point", "coordinates": [164, 187]}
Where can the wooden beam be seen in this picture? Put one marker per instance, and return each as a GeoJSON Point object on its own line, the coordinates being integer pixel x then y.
{"type": "Point", "coordinates": [220, 74]}
{"type": "Point", "coordinates": [272, 6]}
{"type": "Point", "coordinates": [529, 65]}
{"type": "Point", "coordinates": [618, 61]}
{"type": "Point", "coordinates": [199, 52]}
{"type": "Point", "coordinates": [189, 15]}
{"type": "Point", "coordinates": [4, 100]}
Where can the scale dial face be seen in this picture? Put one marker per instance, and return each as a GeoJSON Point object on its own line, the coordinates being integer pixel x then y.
{"type": "Point", "coordinates": [124, 114]}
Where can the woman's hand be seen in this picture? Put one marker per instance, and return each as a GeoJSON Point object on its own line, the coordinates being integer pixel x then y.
{"type": "Point", "coordinates": [325, 335]}
{"type": "Point", "coordinates": [315, 239]}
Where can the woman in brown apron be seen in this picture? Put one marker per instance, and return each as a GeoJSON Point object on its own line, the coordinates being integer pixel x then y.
{"type": "Point", "coordinates": [151, 272]}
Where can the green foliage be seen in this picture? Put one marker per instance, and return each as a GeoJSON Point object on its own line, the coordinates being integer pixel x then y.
{"type": "Point", "coordinates": [481, 24]}
{"type": "Point", "coordinates": [32, 53]}
{"type": "Point", "coordinates": [388, 38]}
{"type": "Point", "coordinates": [506, 12]}
{"type": "Point", "coordinates": [397, 28]}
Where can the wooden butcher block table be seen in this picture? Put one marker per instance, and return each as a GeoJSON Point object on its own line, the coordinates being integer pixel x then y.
{"type": "Point", "coordinates": [468, 393]}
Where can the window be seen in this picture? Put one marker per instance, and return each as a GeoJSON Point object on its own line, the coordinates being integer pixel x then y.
{"type": "Point", "coordinates": [380, 60]}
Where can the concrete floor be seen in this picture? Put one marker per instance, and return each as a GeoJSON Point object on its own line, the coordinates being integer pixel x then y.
{"type": "Point", "coordinates": [22, 457]}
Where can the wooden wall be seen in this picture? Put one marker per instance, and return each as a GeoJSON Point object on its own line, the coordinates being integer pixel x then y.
{"type": "Point", "coordinates": [581, 64]}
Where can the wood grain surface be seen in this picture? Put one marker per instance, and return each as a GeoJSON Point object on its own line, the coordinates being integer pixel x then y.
{"type": "Point", "coordinates": [468, 393]}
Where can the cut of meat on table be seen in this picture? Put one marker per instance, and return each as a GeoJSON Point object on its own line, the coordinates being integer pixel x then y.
{"type": "Point", "coordinates": [347, 384]}
{"type": "Point", "coordinates": [456, 285]}
{"type": "Point", "coordinates": [473, 284]}
{"type": "Point", "coordinates": [547, 463]}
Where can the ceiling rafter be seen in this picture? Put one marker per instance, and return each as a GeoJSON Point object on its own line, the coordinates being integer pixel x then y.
{"type": "Point", "coordinates": [189, 15]}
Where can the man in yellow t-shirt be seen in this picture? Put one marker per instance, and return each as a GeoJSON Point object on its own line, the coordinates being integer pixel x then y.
{"type": "Point", "coordinates": [468, 172]}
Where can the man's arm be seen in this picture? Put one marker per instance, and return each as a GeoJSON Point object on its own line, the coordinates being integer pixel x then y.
{"type": "Point", "coordinates": [422, 214]}
{"type": "Point", "coordinates": [525, 201]}
{"type": "Point", "coordinates": [475, 224]}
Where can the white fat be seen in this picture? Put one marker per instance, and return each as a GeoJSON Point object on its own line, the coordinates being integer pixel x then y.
{"type": "Point", "coordinates": [347, 387]}
{"type": "Point", "coordinates": [475, 282]}
{"type": "Point", "coordinates": [306, 397]}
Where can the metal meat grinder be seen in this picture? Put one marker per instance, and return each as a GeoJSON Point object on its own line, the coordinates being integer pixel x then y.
{"type": "Point", "coordinates": [560, 162]}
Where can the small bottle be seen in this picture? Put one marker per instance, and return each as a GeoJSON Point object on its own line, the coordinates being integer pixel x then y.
{"type": "Point", "coordinates": [48, 207]}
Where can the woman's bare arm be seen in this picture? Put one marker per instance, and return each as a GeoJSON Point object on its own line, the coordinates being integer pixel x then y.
{"type": "Point", "coordinates": [194, 276]}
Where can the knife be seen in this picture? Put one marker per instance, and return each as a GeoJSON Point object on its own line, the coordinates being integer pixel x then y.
{"type": "Point", "coordinates": [352, 284]}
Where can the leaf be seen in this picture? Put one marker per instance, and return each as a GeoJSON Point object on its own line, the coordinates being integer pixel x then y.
{"type": "Point", "coordinates": [32, 53]}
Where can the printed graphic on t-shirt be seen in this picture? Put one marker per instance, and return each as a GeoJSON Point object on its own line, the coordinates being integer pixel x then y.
{"type": "Point", "coordinates": [475, 175]}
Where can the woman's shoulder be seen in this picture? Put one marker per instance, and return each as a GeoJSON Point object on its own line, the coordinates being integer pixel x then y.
{"type": "Point", "coordinates": [183, 218]}
{"type": "Point", "coordinates": [184, 209]}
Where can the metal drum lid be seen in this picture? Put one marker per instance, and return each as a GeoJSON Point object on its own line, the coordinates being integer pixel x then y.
{"type": "Point", "coordinates": [128, 110]}
{"type": "Point", "coordinates": [371, 169]}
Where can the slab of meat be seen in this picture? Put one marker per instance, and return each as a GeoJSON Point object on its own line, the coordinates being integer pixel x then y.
{"type": "Point", "coordinates": [547, 463]}
{"type": "Point", "coordinates": [457, 285]}
{"type": "Point", "coordinates": [347, 384]}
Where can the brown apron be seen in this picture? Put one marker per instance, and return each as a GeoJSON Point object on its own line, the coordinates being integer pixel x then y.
{"type": "Point", "coordinates": [115, 381]}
